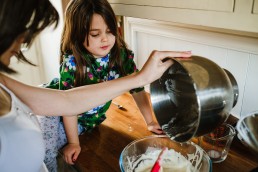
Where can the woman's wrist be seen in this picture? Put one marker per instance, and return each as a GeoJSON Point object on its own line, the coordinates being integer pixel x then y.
{"type": "Point", "coordinates": [140, 80]}
{"type": "Point", "coordinates": [150, 123]}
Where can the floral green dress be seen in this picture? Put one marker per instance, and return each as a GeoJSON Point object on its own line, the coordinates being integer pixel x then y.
{"type": "Point", "coordinates": [96, 73]}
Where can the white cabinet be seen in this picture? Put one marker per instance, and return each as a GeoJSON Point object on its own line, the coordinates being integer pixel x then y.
{"type": "Point", "coordinates": [255, 7]}
{"type": "Point", "coordinates": [218, 5]}
{"type": "Point", "coordinates": [236, 15]}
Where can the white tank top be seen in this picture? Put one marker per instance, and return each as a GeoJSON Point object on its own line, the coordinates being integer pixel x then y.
{"type": "Point", "coordinates": [21, 140]}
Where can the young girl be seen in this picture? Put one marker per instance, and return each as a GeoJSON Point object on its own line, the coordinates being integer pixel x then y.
{"type": "Point", "coordinates": [92, 52]}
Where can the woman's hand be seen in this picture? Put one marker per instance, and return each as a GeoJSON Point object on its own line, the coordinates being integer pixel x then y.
{"type": "Point", "coordinates": [154, 127]}
{"type": "Point", "coordinates": [158, 62]}
{"type": "Point", "coordinates": [71, 152]}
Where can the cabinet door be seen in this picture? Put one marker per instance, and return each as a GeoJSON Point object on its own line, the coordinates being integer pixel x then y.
{"type": "Point", "coordinates": [255, 7]}
{"type": "Point", "coordinates": [237, 16]}
{"type": "Point", "coordinates": [250, 98]}
{"type": "Point", "coordinates": [217, 5]}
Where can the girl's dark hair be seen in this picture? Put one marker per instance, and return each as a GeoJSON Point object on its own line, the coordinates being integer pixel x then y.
{"type": "Point", "coordinates": [27, 17]}
{"type": "Point", "coordinates": [78, 17]}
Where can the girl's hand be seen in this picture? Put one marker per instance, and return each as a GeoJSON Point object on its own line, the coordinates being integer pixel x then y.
{"type": "Point", "coordinates": [158, 62]}
{"type": "Point", "coordinates": [71, 152]}
{"type": "Point", "coordinates": [154, 127]}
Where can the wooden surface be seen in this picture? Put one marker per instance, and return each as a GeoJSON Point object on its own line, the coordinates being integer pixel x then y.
{"type": "Point", "coordinates": [102, 147]}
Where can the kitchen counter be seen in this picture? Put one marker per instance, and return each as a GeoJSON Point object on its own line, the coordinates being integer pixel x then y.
{"type": "Point", "coordinates": [102, 147]}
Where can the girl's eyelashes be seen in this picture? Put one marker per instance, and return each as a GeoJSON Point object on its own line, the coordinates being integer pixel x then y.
{"type": "Point", "coordinates": [94, 35]}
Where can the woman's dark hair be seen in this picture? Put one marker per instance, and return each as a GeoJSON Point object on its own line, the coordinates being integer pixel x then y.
{"type": "Point", "coordinates": [19, 17]}
{"type": "Point", "coordinates": [78, 18]}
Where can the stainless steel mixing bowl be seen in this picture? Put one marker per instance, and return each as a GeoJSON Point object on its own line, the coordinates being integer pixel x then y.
{"type": "Point", "coordinates": [247, 128]}
{"type": "Point", "coordinates": [193, 97]}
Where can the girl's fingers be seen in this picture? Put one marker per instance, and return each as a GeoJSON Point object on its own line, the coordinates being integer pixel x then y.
{"type": "Point", "coordinates": [75, 156]}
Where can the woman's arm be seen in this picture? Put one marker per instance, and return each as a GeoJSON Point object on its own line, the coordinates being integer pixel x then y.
{"type": "Point", "coordinates": [45, 101]}
{"type": "Point", "coordinates": [144, 105]}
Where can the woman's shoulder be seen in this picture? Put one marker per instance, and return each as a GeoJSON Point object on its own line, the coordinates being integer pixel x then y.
{"type": "Point", "coordinates": [2, 78]}
{"type": "Point", "coordinates": [5, 102]}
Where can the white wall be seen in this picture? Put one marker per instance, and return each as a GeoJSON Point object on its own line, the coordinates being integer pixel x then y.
{"type": "Point", "coordinates": [238, 54]}
{"type": "Point", "coordinates": [50, 43]}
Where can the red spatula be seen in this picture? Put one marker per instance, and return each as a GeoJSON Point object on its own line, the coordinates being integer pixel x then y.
{"type": "Point", "coordinates": [156, 167]}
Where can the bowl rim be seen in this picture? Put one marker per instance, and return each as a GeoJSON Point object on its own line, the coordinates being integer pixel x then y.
{"type": "Point", "coordinates": [241, 136]}
{"type": "Point", "coordinates": [232, 135]}
{"type": "Point", "coordinates": [163, 136]}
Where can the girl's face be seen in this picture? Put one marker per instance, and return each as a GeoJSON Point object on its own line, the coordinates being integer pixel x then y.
{"type": "Point", "coordinates": [101, 40]}
{"type": "Point", "coordinates": [12, 50]}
